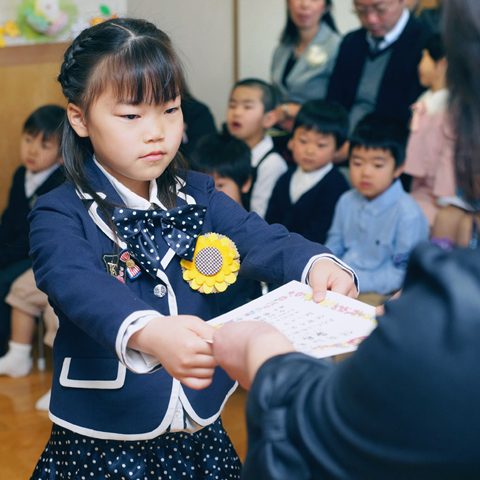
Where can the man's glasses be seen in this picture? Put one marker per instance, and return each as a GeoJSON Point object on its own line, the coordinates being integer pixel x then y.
{"type": "Point", "coordinates": [379, 10]}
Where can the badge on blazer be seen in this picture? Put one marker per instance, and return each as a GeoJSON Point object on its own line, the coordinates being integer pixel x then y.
{"type": "Point", "coordinates": [121, 266]}
{"type": "Point", "coordinates": [215, 264]}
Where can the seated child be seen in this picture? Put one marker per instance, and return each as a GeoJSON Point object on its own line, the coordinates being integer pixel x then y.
{"type": "Point", "coordinates": [251, 111]}
{"type": "Point", "coordinates": [39, 173]}
{"type": "Point", "coordinates": [429, 158]}
{"type": "Point", "coordinates": [304, 198]}
{"type": "Point", "coordinates": [377, 224]}
{"type": "Point", "coordinates": [27, 303]}
{"type": "Point", "coordinates": [227, 160]}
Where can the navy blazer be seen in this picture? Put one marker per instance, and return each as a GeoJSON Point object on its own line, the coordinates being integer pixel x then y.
{"type": "Point", "coordinates": [404, 406]}
{"type": "Point", "coordinates": [14, 226]}
{"type": "Point", "coordinates": [93, 393]}
{"type": "Point", "coordinates": [399, 87]}
{"type": "Point", "coordinates": [312, 214]}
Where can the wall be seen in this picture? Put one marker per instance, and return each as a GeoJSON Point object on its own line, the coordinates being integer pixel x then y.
{"type": "Point", "coordinates": [202, 30]}
{"type": "Point", "coordinates": [27, 81]}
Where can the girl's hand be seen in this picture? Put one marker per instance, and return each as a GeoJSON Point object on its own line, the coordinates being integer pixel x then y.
{"type": "Point", "coordinates": [241, 348]}
{"type": "Point", "coordinates": [327, 275]}
{"type": "Point", "coordinates": [179, 344]}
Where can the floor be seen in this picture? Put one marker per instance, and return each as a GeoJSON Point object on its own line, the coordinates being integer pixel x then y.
{"type": "Point", "coordinates": [24, 431]}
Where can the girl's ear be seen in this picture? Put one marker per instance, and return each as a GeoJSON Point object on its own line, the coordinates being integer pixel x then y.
{"type": "Point", "coordinates": [76, 117]}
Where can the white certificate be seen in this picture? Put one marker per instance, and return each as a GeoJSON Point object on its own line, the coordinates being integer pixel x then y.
{"type": "Point", "coordinates": [336, 325]}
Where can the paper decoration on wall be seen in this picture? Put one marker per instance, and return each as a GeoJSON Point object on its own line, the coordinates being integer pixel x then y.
{"type": "Point", "coordinates": [42, 20]}
{"type": "Point", "coordinates": [26, 22]}
{"type": "Point", "coordinates": [105, 14]}
{"type": "Point", "coordinates": [10, 28]}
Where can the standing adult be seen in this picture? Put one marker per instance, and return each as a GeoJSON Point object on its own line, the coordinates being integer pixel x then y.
{"type": "Point", "coordinates": [376, 67]}
{"type": "Point", "coordinates": [304, 60]}
{"type": "Point", "coordinates": [405, 404]}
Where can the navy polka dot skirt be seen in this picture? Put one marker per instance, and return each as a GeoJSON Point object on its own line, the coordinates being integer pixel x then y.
{"type": "Point", "coordinates": [206, 454]}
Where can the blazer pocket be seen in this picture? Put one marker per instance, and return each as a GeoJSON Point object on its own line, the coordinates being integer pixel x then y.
{"type": "Point", "coordinates": [92, 373]}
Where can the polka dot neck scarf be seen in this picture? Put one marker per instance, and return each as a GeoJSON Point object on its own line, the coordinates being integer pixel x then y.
{"type": "Point", "coordinates": [181, 227]}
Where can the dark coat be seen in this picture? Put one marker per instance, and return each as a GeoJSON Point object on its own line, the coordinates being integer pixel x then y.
{"type": "Point", "coordinates": [14, 226]}
{"type": "Point", "coordinates": [403, 406]}
{"type": "Point", "coordinates": [399, 87]}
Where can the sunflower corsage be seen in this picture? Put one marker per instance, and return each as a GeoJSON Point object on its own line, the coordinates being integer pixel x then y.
{"type": "Point", "coordinates": [215, 264]}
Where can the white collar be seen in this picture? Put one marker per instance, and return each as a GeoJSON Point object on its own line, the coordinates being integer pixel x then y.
{"type": "Point", "coordinates": [131, 199]}
{"type": "Point", "coordinates": [394, 33]}
{"type": "Point", "coordinates": [261, 149]}
{"type": "Point", "coordinates": [435, 102]}
{"type": "Point", "coordinates": [34, 180]}
{"type": "Point", "coordinates": [301, 182]}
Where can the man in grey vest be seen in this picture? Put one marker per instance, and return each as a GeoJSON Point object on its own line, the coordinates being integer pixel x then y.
{"type": "Point", "coordinates": [376, 68]}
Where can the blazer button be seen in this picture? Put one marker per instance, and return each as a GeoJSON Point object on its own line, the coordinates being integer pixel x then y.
{"type": "Point", "coordinates": [160, 291]}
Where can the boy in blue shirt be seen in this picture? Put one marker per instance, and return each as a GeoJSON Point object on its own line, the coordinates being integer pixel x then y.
{"type": "Point", "coordinates": [377, 224]}
{"type": "Point", "coordinates": [304, 198]}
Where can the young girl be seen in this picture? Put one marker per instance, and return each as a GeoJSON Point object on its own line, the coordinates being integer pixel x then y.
{"type": "Point", "coordinates": [109, 248]}
{"type": "Point", "coordinates": [430, 147]}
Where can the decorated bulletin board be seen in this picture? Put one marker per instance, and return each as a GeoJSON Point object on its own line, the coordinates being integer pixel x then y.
{"type": "Point", "coordinates": [33, 22]}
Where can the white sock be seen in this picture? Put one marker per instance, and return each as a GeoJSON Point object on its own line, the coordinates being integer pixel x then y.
{"type": "Point", "coordinates": [17, 362]}
{"type": "Point", "coordinates": [43, 402]}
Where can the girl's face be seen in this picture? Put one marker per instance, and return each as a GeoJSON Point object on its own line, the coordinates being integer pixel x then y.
{"type": "Point", "coordinates": [134, 143]}
{"type": "Point", "coordinates": [429, 71]}
{"type": "Point", "coordinates": [38, 154]}
{"type": "Point", "coordinates": [306, 14]}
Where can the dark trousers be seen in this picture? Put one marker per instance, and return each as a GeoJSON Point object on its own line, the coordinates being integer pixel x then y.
{"type": "Point", "coordinates": [7, 276]}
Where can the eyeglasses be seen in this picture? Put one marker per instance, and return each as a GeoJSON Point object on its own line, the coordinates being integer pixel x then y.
{"type": "Point", "coordinates": [379, 10]}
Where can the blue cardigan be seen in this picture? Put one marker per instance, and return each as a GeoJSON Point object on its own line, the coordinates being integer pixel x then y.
{"type": "Point", "coordinates": [93, 393]}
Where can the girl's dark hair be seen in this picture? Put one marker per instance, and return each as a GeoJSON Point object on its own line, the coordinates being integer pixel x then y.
{"type": "Point", "coordinates": [383, 132]}
{"type": "Point", "coordinates": [462, 40]}
{"type": "Point", "coordinates": [435, 47]}
{"type": "Point", "coordinates": [290, 32]}
{"type": "Point", "coordinates": [46, 120]}
{"type": "Point", "coordinates": [137, 61]}
{"type": "Point", "coordinates": [227, 156]}
{"type": "Point", "coordinates": [325, 117]}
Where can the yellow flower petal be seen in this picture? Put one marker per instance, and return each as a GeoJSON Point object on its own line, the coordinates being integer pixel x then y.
{"type": "Point", "coordinates": [220, 276]}
{"type": "Point", "coordinates": [221, 287]}
{"type": "Point", "coordinates": [207, 288]}
{"type": "Point", "coordinates": [194, 285]}
{"type": "Point", "coordinates": [186, 264]}
{"type": "Point", "coordinates": [186, 275]}
{"type": "Point", "coordinates": [235, 267]}
{"type": "Point", "coordinates": [210, 281]}
{"type": "Point", "coordinates": [217, 244]}
{"type": "Point", "coordinates": [213, 236]}
{"type": "Point", "coordinates": [226, 269]}
{"type": "Point", "coordinates": [232, 278]}
{"type": "Point", "coordinates": [225, 241]}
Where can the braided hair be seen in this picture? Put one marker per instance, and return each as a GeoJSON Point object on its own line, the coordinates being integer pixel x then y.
{"type": "Point", "coordinates": [137, 61]}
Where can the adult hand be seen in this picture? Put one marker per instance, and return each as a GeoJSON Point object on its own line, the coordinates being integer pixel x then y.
{"type": "Point", "coordinates": [328, 275]}
{"type": "Point", "coordinates": [286, 113]}
{"type": "Point", "coordinates": [179, 344]}
{"type": "Point", "coordinates": [241, 348]}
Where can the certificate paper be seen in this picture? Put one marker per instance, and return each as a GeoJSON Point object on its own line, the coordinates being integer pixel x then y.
{"type": "Point", "coordinates": [336, 325]}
